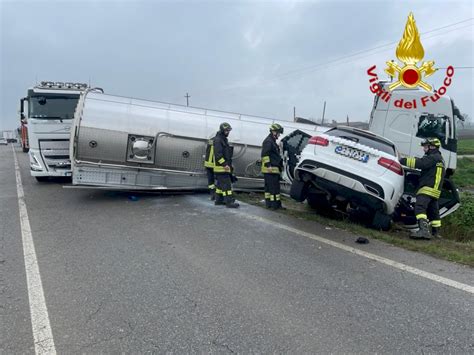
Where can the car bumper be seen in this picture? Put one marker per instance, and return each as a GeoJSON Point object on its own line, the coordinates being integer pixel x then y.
{"type": "Point", "coordinates": [350, 186]}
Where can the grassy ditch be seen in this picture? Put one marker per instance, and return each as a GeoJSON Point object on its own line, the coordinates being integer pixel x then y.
{"type": "Point", "coordinates": [456, 245]}
{"type": "Point", "coordinates": [464, 175]}
{"type": "Point", "coordinates": [466, 146]}
{"type": "Point", "coordinates": [459, 226]}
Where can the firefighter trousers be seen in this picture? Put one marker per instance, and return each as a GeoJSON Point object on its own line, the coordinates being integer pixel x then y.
{"type": "Point", "coordinates": [426, 207]}
{"type": "Point", "coordinates": [210, 179]}
{"type": "Point", "coordinates": [272, 190]}
{"type": "Point", "coordinates": [223, 185]}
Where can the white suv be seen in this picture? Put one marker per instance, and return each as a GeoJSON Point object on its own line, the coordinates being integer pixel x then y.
{"type": "Point", "coordinates": [353, 170]}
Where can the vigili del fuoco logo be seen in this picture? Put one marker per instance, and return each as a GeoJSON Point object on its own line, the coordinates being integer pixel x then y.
{"type": "Point", "coordinates": [409, 51]}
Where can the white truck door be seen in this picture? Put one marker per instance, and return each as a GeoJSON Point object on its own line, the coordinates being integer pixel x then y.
{"type": "Point", "coordinates": [400, 129]}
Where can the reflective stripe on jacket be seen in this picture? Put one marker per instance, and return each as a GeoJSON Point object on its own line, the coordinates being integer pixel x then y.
{"type": "Point", "coordinates": [432, 172]}
{"type": "Point", "coordinates": [209, 159]}
{"type": "Point", "coordinates": [222, 153]}
{"type": "Point", "coordinates": [272, 163]}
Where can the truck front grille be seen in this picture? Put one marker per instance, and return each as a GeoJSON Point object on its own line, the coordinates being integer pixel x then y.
{"type": "Point", "coordinates": [56, 154]}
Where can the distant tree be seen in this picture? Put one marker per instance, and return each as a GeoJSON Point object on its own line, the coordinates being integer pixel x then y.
{"type": "Point", "coordinates": [467, 120]}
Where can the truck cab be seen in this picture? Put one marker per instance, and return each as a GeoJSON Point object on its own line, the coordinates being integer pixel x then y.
{"type": "Point", "coordinates": [408, 127]}
{"type": "Point", "coordinates": [407, 118]}
{"type": "Point", "coordinates": [48, 111]}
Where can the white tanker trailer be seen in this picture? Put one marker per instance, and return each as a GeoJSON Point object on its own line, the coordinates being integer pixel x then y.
{"type": "Point", "coordinates": [125, 143]}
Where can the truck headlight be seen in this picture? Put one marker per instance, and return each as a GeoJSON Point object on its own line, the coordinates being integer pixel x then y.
{"type": "Point", "coordinates": [34, 163]}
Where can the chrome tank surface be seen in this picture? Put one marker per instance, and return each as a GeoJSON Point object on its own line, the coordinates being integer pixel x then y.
{"type": "Point", "coordinates": [132, 143]}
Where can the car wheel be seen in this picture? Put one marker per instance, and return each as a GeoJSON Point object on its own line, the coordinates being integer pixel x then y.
{"type": "Point", "coordinates": [41, 178]}
{"type": "Point", "coordinates": [319, 202]}
{"type": "Point", "coordinates": [298, 190]}
{"type": "Point", "coordinates": [381, 221]}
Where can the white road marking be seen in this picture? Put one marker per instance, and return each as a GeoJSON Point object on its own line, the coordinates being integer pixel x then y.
{"type": "Point", "coordinates": [43, 336]}
{"type": "Point", "coordinates": [380, 259]}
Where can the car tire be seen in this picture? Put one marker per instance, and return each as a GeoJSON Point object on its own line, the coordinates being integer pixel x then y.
{"type": "Point", "coordinates": [41, 178]}
{"type": "Point", "coordinates": [298, 190]}
{"type": "Point", "coordinates": [381, 221]}
{"type": "Point", "coordinates": [319, 202]}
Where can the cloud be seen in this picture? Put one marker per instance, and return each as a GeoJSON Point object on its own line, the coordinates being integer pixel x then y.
{"type": "Point", "coordinates": [252, 37]}
{"type": "Point", "coordinates": [259, 58]}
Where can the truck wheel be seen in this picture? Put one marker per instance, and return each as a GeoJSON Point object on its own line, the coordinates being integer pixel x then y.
{"type": "Point", "coordinates": [298, 190]}
{"type": "Point", "coordinates": [381, 221]}
{"type": "Point", "coordinates": [41, 178]}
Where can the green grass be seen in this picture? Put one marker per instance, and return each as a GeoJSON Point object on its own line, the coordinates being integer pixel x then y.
{"type": "Point", "coordinates": [464, 175]}
{"type": "Point", "coordinates": [446, 248]}
{"type": "Point", "coordinates": [466, 146]}
{"type": "Point", "coordinates": [459, 226]}
{"type": "Point", "coordinates": [457, 229]}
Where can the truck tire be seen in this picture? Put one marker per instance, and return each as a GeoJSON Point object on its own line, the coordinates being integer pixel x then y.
{"type": "Point", "coordinates": [298, 190]}
{"type": "Point", "coordinates": [381, 221]}
{"type": "Point", "coordinates": [41, 178]}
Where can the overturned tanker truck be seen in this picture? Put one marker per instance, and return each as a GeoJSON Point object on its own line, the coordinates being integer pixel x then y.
{"type": "Point", "coordinates": [125, 143]}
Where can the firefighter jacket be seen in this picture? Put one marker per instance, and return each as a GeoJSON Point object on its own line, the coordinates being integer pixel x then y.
{"type": "Point", "coordinates": [432, 172]}
{"type": "Point", "coordinates": [272, 163]}
{"type": "Point", "coordinates": [222, 153]}
{"type": "Point", "coordinates": [209, 158]}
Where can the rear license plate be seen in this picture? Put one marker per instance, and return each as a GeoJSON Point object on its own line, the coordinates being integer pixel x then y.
{"type": "Point", "coordinates": [352, 153]}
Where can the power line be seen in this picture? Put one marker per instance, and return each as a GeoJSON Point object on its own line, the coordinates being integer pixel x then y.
{"type": "Point", "coordinates": [327, 64]}
{"type": "Point", "coordinates": [377, 47]}
{"type": "Point", "coordinates": [458, 68]}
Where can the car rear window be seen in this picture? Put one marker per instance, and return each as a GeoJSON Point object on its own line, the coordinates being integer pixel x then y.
{"type": "Point", "coordinates": [365, 139]}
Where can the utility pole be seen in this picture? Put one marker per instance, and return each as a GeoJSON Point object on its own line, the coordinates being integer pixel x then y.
{"type": "Point", "coordinates": [294, 113]}
{"type": "Point", "coordinates": [324, 111]}
{"type": "Point", "coordinates": [348, 120]}
{"type": "Point", "coordinates": [187, 99]}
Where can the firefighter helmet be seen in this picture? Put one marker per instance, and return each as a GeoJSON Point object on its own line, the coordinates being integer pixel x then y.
{"type": "Point", "coordinates": [277, 128]}
{"type": "Point", "coordinates": [225, 127]}
{"type": "Point", "coordinates": [435, 142]}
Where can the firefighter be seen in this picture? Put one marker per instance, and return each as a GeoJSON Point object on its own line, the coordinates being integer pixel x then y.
{"type": "Point", "coordinates": [223, 167]}
{"type": "Point", "coordinates": [209, 165]}
{"type": "Point", "coordinates": [272, 165]}
{"type": "Point", "coordinates": [429, 190]}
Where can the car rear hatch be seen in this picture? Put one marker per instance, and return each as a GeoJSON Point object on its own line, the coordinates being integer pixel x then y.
{"type": "Point", "coordinates": [355, 151]}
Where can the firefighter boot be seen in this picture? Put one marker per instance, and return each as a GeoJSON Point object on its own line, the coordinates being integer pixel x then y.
{"type": "Point", "coordinates": [212, 194]}
{"type": "Point", "coordinates": [219, 201]}
{"type": "Point", "coordinates": [280, 206]}
{"type": "Point", "coordinates": [435, 232]}
{"type": "Point", "coordinates": [230, 202]}
{"type": "Point", "coordinates": [268, 203]}
{"type": "Point", "coordinates": [423, 231]}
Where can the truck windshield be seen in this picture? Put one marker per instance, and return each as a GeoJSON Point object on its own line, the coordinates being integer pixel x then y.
{"type": "Point", "coordinates": [365, 139]}
{"type": "Point", "coordinates": [432, 126]}
{"type": "Point", "coordinates": [52, 107]}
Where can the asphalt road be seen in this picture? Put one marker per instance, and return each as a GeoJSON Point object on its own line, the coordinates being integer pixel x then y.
{"type": "Point", "coordinates": [176, 274]}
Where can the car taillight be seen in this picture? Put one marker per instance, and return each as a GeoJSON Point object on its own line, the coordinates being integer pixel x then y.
{"type": "Point", "coordinates": [317, 140]}
{"type": "Point", "coordinates": [391, 165]}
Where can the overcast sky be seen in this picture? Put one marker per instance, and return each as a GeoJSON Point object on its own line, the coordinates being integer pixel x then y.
{"type": "Point", "coordinates": [252, 57]}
